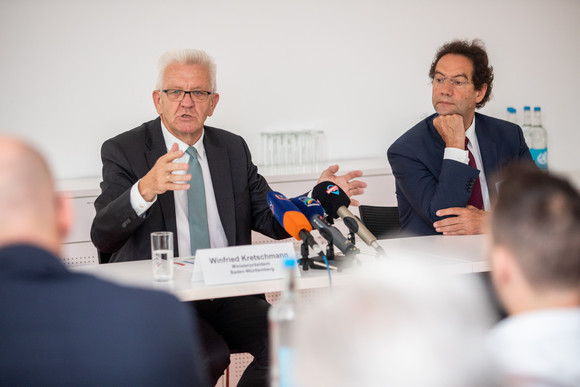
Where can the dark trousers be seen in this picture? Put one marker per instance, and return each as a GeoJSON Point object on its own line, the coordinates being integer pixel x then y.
{"type": "Point", "coordinates": [234, 325]}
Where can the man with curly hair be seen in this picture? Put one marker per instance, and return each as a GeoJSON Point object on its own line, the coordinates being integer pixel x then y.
{"type": "Point", "coordinates": [442, 165]}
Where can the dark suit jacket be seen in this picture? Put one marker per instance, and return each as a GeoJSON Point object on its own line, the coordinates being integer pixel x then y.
{"type": "Point", "coordinates": [240, 192]}
{"type": "Point", "coordinates": [426, 183]}
{"type": "Point", "coordinates": [59, 328]}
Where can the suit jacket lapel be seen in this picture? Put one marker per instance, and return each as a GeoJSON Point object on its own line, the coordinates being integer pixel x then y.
{"type": "Point", "coordinates": [219, 167]}
{"type": "Point", "coordinates": [156, 147]}
{"type": "Point", "coordinates": [488, 150]}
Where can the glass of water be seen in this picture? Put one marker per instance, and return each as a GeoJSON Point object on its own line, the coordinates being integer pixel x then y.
{"type": "Point", "coordinates": [162, 255]}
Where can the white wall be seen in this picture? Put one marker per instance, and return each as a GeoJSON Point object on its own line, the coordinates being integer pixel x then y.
{"type": "Point", "coordinates": [74, 73]}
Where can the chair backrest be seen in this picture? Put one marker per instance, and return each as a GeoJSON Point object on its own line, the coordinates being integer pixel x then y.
{"type": "Point", "coordinates": [383, 222]}
{"type": "Point", "coordinates": [104, 257]}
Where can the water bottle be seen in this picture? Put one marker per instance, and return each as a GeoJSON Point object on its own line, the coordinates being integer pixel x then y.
{"type": "Point", "coordinates": [512, 115]}
{"type": "Point", "coordinates": [281, 320]}
{"type": "Point", "coordinates": [538, 140]}
{"type": "Point", "coordinates": [527, 124]}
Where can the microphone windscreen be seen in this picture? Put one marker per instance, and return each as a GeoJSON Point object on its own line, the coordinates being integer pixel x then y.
{"type": "Point", "coordinates": [287, 214]}
{"type": "Point", "coordinates": [331, 197]}
{"type": "Point", "coordinates": [308, 206]}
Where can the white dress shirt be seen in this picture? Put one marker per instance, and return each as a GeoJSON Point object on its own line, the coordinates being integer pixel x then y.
{"type": "Point", "coordinates": [539, 348]}
{"type": "Point", "coordinates": [217, 234]}
{"type": "Point", "coordinates": [462, 156]}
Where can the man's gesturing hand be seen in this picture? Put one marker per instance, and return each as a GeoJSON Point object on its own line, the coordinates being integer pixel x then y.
{"type": "Point", "coordinates": [161, 178]}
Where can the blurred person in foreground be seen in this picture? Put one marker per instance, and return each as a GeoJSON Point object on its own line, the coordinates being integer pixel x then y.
{"type": "Point", "coordinates": [535, 269]}
{"type": "Point", "coordinates": [443, 165]}
{"type": "Point", "coordinates": [399, 324]}
{"type": "Point", "coordinates": [60, 328]}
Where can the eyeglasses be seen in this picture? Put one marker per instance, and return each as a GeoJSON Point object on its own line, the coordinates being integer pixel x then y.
{"type": "Point", "coordinates": [178, 95]}
{"type": "Point", "coordinates": [440, 81]}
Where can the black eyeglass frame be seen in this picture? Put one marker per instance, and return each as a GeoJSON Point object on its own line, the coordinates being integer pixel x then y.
{"type": "Point", "coordinates": [193, 94]}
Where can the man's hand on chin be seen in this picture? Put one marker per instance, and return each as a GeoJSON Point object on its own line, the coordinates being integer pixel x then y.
{"type": "Point", "coordinates": [451, 129]}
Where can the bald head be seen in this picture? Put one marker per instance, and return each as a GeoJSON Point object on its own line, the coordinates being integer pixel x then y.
{"type": "Point", "coordinates": [30, 211]}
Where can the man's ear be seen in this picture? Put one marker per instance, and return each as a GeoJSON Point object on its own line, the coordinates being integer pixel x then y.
{"type": "Point", "coordinates": [215, 97]}
{"type": "Point", "coordinates": [502, 262]}
{"type": "Point", "coordinates": [479, 94]}
{"type": "Point", "coordinates": [157, 100]}
{"type": "Point", "coordinates": [64, 215]}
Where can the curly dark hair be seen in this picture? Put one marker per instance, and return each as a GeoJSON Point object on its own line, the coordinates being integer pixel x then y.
{"type": "Point", "coordinates": [475, 52]}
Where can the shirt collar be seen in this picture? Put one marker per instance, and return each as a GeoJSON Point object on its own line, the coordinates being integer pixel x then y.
{"type": "Point", "coordinates": [470, 132]}
{"type": "Point", "coordinates": [170, 139]}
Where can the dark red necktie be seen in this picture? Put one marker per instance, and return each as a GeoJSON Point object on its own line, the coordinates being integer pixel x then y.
{"type": "Point", "coordinates": [476, 199]}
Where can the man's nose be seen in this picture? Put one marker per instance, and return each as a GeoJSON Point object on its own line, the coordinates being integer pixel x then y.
{"type": "Point", "coordinates": [187, 100]}
{"type": "Point", "coordinates": [447, 88]}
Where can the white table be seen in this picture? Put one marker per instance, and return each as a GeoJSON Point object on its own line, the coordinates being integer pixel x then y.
{"type": "Point", "coordinates": [140, 274]}
{"type": "Point", "coordinates": [455, 254]}
{"type": "Point", "coordinates": [459, 254]}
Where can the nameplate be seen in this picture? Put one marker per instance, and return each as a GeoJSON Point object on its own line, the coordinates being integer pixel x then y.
{"type": "Point", "coordinates": [244, 263]}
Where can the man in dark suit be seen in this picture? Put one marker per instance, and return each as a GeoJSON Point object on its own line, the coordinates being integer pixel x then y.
{"type": "Point", "coordinates": [443, 165]}
{"type": "Point", "coordinates": [146, 188]}
{"type": "Point", "coordinates": [59, 328]}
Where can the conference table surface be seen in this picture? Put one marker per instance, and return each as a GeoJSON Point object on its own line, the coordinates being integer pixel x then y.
{"type": "Point", "coordinates": [452, 254]}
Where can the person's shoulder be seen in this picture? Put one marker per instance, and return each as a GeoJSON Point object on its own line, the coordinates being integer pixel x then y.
{"type": "Point", "coordinates": [214, 132]}
{"type": "Point", "coordinates": [217, 136]}
{"type": "Point", "coordinates": [135, 300]}
{"type": "Point", "coordinates": [494, 123]}
{"type": "Point", "coordinates": [139, 133]}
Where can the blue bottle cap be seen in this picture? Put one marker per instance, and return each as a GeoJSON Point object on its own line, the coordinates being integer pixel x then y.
{"type": "Point", "coordinates": [511, 110]}
{"type": "Point", "coordinates": [537, 109]}
{"type": "Point", "coordinates": [289, 262]}
{"type": "Point", "coordinates": [527, 108]}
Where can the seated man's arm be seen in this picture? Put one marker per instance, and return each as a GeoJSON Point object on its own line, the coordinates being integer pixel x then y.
{"type": "Point", "coordinates": [461, 221]}
{"type": "Point", "coordinates": [424, 190]}
{"type": "Point", "coordinates": [129, 190]}
{"type": "Point", "coordinates": [115, 220]}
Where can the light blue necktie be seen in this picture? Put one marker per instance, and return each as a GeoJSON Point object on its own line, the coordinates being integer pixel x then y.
{"type": "Point", "coordinates": [198, 229]}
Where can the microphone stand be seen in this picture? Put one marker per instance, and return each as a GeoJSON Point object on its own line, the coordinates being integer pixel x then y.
{"type": "Point", "coordinates": [351, 238]}
{"type": "Point", "coordinates": [310, 263]}
{"type": "Point", "coordinates": [304, 261]}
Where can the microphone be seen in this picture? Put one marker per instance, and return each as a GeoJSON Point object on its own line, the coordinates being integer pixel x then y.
{"type": "Point", "coordinates": [293, 221]}
{"type": "Point", "coordinates": [315, 213]}
{"type": "Point", "coordinates": [335, 201]}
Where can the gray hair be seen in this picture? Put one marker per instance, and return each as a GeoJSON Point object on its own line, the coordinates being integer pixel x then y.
{"type": "Point", "coordinates": [187, 56]}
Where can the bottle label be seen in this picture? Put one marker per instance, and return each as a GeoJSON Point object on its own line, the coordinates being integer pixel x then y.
{"type": "Point", "coordinates": [540, 156]}
{"type": "Point", "coordinates": [285, 364]}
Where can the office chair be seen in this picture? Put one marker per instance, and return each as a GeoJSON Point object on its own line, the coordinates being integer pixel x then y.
{"type": "Point", "coordinates": [383, 222]}
{"type": "Point", "coordinates": [104, 257]}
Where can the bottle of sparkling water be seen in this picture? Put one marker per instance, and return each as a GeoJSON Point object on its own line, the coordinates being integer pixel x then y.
{"type": "Point", "coordinates": [512, 115]}
{"type": "Point", "coordinates": [281, 322]}
{"type": "Point", "coordinates": [538, 142]}
{"type": "Point", "coordinates": [527, 124]}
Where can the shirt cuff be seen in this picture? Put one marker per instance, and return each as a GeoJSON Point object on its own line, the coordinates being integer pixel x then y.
{"type": "Point", "coordinates": [456, 154]}
{"type": "Point", "coordinates": [139, 204]}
